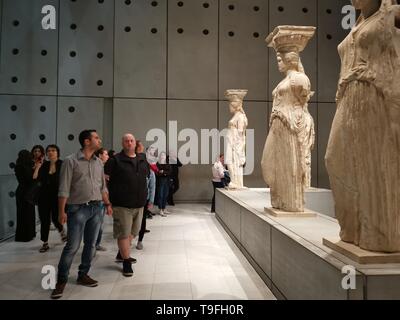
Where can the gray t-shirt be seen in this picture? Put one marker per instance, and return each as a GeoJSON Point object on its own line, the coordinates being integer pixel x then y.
{"type": "Point", "coordinates": [81, 180]}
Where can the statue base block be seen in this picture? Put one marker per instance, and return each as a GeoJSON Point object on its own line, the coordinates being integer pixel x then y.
{"type": "Point", "coordinates": [282, 214]}
{"type": "Point", "coordinates": [359, 255]}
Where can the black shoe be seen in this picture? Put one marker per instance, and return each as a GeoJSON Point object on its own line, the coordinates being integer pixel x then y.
{"type": "Point", "coordinates": [63, 236]}
{"type": "Point", "coordinates": [45, 247]}
{"type": "Point", "coordinates": [119, 258]}
{"type": "Point", "coordinates": [146, 231]}
{"type": "Point", "coordinates": [149, 216]}
{"type": "Point", "coordinates": [87, 281]}
{"type": "Point", "coordinates": [59, 290]}
{"type": "Point", "coordinates": [127, 270]}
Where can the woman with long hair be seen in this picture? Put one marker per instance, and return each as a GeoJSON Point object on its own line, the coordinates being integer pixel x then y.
{"type": "Point", "coordinates": [49, 176]}
{"type": "Point", "coordinates": [26, 224]}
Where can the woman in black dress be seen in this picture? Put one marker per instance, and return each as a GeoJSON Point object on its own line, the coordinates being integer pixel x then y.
{"type": "Point", "coordinates": [175, 164]}
{"type": "Point", "coordinates": [49, 176]}
{"type": "Point", "coordinates": [163, 176]}
{"type": "Point", "coordinates": [26, 224]}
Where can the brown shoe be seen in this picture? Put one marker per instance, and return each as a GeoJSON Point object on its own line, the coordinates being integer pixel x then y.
{"type": "Point", "coordinates": [86, 281]}
{"type": "Point", "coordinates": [58, 291]}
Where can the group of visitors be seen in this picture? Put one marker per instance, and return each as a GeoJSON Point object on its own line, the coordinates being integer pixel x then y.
{"type": "Point", "coordinates": [86, 186]}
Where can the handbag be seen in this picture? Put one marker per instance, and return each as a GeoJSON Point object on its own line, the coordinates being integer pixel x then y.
{"type": "Point", "coordinates": [32, 194]}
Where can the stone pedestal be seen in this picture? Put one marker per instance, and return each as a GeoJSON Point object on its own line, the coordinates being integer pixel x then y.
{"type": "Point", "coordinates": [282, 214]}
{"type": "Point", "coordinates": [236, 189]}
{"type": "Point", "coordinates": [359, 255]}
{"type": "Point", "coordinates": [288, 253]}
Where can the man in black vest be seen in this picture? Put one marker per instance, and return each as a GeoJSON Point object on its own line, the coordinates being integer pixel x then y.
{"type": "Point", "coordinates": [127, 173]}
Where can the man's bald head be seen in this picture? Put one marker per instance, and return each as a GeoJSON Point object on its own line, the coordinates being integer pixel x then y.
{"type": "Point", "coordinates": [129, 143]}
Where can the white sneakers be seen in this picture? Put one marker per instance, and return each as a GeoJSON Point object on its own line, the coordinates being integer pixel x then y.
{"type": "Point", "coordinates": [139, 245]}
{"type": "Point", "coordinates": [162, 213]}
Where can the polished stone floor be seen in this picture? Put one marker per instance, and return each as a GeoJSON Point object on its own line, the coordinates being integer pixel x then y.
{"type": "Point", "coordinates": [187, 255]}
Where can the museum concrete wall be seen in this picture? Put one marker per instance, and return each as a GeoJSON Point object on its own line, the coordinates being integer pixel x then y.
{"type": "Point", "coordinates": [135, 65]}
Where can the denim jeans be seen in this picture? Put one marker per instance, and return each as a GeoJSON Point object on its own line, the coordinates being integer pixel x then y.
{"type": "Point", "coordinates": [163, 190]}
{"type": "Point", "coordinates": [103, 212]}
{"type": "Point", "coordinates": [83, 221]}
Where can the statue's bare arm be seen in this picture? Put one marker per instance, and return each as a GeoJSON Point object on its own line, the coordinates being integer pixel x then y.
{"type": "Point", "coordinates": [300, 88]}
{"type": "Point", "coordinates": [241, 127]}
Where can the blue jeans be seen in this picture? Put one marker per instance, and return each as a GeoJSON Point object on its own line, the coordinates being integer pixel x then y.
{"type": "Point", "coordinates": [103, 212]}
{"type": "Point", "coordinates": [83, 221]}
{"type": "Point", "coordinates": [163, 190]}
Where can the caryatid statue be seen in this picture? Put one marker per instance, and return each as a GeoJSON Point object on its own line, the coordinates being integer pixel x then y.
{"type": "Point", "coordinates": [286, 160]}
{"type": "Point", "coordinates": [235, 155]}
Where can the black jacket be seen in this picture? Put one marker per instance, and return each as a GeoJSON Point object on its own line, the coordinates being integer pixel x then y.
{"type": "Point", "coordinates": [174, 168]}
{"type": "Point", "coordinates": [166, 168]}
{"type": "Point", "coordinates": [49, 184]}
{"type": "Point", "coordinates": [127, 185]}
